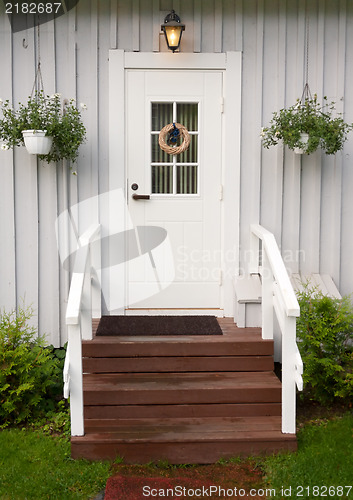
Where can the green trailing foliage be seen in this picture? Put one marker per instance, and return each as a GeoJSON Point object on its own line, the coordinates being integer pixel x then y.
{"type": "Point", "coordinates": [30, 372]}
{"type": "Point", "coordinates": [63, 122]}
{"type": "Point", "coordinates": [325, 341]}
{"type": "Point", "coordinates": [326, 130]}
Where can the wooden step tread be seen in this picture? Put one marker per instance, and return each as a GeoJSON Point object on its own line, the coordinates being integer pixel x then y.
{"type": "Point", "coordinates": [183, 381]}
{"type": "Point", "coordinates": [179, 430]}
{"type": "Point", "coordinates": [190, 452]}
{"type": "Point", "coordinates": [182, 410]}
{"type": "Point", "coordinates": [181, 388]}
{"type": "Point", "coordinates": [152, 346]}
{"type": "Point", "coordinates": [177, 364]}
{"type": "Point", "coordinates": [240, 335]}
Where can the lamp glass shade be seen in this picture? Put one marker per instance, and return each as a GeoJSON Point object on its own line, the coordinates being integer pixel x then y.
{"type": "Point", "coordinates": [173, 36]}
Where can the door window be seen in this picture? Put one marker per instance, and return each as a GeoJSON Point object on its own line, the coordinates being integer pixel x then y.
{"type": "Point", "coordinates": [175, 174]}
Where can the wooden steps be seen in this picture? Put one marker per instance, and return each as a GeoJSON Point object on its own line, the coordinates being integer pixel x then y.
{"type": "Point", "coordinates": [183, 399]}
{"type": "Point", "coordinates": [176, 439]}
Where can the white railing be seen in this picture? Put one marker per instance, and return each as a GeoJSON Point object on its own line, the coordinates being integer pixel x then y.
{"type": "Point", "coordinates": [278, 295]}
{"type": "Point", "coordinates": [84, 297]}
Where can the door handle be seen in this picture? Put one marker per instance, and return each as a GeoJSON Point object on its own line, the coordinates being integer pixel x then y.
{"type": "Point", "coordinates": [141, 196]}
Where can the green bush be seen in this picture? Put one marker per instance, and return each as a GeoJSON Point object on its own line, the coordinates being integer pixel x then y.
{"type": "Point", "coordinates": [30, 373]}
{"type": "Point", "coordinates": [325, 341]}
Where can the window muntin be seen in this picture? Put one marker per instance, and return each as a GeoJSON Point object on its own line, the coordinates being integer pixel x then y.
{"type": "Point", "coordinates": [175, 174]}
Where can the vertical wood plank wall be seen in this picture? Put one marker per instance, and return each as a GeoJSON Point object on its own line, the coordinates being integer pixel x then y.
{"type": "Point", "coordinates": [306, 202]}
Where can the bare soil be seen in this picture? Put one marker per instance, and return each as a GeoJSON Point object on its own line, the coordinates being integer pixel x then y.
{"type": "Point", "coordinates": [131, 479]}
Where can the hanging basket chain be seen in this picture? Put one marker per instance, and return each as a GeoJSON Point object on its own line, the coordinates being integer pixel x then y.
{"type": "Point", "coordinates": [38, 81]}
{"type": "Point", "coordinates": [38, 78]}
{"type": "Point", "coordinates": [306, 95]}
{"type": "Point", "coordinates": [307, 46]}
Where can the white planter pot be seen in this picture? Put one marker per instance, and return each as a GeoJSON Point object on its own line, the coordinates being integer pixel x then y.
{"type": "Point", "coordinates": [36, 142]}
{"type": "Point", "coordinates": [304, 138]}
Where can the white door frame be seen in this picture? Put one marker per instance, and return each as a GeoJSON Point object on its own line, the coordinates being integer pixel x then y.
{"type": "Point", "coordinates": [231, 64]}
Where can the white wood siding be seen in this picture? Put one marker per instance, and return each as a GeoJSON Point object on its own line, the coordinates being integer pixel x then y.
{"type": "Point", "coordinates": [306, 202]}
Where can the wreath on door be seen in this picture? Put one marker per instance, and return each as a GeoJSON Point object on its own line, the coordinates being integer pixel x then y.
{"type": "Point", "coordinates": [169, 136]}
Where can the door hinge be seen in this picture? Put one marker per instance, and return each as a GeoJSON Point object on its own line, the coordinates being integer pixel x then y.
{"type": "Point", "coordinates": [221, 192]}
{"type": "Point", "coordinates": [222, 104]}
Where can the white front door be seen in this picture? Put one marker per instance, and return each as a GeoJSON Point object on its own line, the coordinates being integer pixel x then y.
{"type": "Point", "coordinates": [183, 268]}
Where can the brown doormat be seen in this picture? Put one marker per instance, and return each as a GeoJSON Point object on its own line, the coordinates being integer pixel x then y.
{"type": "Point", "coordinates": [158, 325]}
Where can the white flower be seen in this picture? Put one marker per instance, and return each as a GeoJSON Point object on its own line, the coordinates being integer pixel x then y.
{"type": "Point", "coordinates": [1, 102]}
{"type": "Point", "coordinates": [83, 105]}
{"type": "Point", "coordinates": [4, 147]}
{"type": "Point", "coordinates": [262, 132]}
{"type": "Point", "coordinates": [54, 96]}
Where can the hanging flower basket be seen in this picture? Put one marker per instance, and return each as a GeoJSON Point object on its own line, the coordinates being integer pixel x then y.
{"type": "Point", "coordinates": [169, 135]}
{"type": "Point", "coordinates": [37, 142]}
{"type": "Point", "coordinates": [323, 129]}
{"type": "Point", "coordinates": [61, 122]}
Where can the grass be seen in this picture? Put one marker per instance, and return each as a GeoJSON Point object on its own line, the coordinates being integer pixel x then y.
{"type": "Point", "coordinates": [37, 466]}
{"type": "Point", "coordinates": [324, 459]}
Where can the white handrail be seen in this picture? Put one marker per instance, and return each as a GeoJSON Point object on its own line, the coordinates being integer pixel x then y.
{"type": "Point", "coordinates": [278, 295]}
{"type": "Point", "coordinates": [278, 269]}
{"type": "Point", "coordinates": [79, 322]}
{"type": "Point", "coordinates": [73, 309]}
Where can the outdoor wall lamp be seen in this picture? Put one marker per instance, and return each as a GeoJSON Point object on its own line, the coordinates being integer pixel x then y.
{"type": "Point", "coordinates": [172, 29]}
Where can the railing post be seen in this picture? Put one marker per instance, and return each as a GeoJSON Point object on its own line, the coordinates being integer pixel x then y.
{"type": "Point", "coordinates": [289, 376]}
{"type": "Point", "coordinates": [96, 265]}
{"type": "Point", "coordinates": [76, 385]}
{"type": "Point", "coordinates": [267, 297]}
{"type": "Point", "coordinates": [86, 304]}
